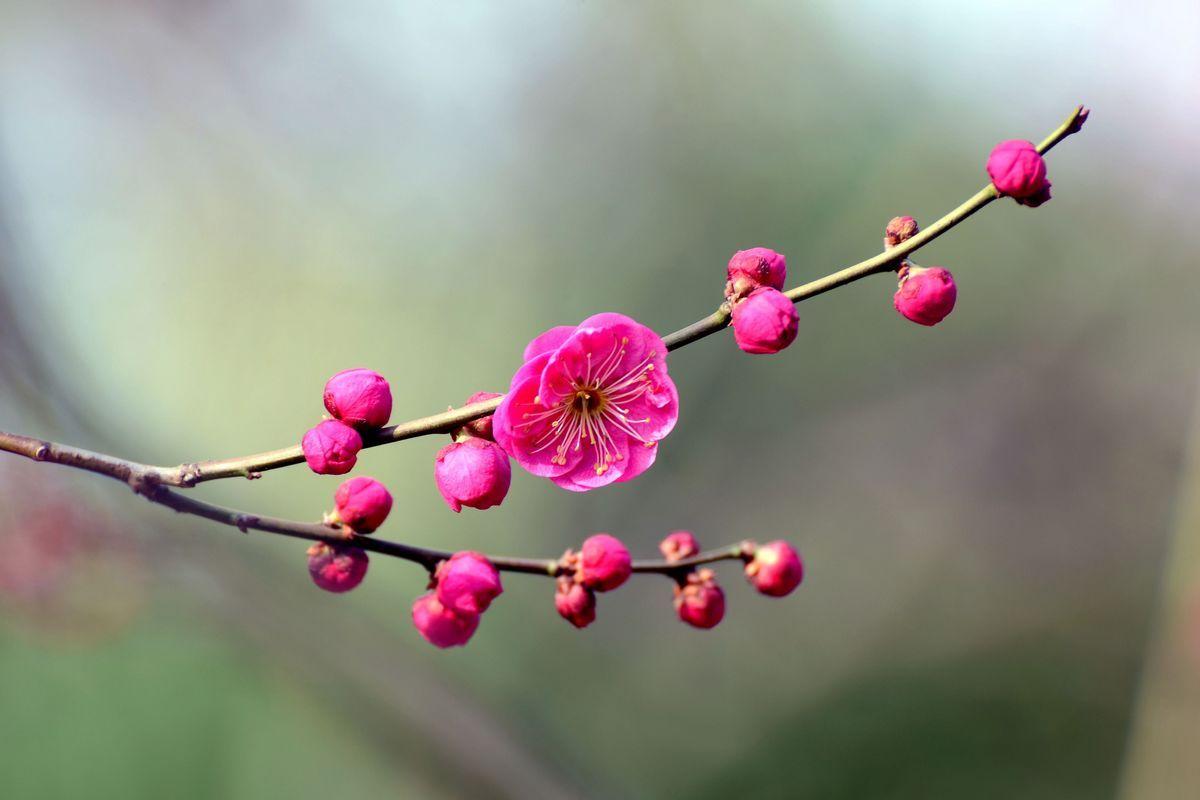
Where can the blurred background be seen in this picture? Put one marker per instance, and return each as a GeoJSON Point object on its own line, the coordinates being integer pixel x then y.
{"type": "Point", "coordinates": [207, 208]}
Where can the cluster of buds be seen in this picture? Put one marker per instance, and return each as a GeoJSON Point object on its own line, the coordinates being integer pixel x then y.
{"type": "Point", "coordinates": [473, 470]}
{"type": "Point", "coordinates": [924, 295]}
{"type": "Point", "coordinates": [764, 320]}
{"type": "Point", "coordinates": [358, 400]}
{"type": "Point", "coordinates": [602, 564]}
{"type": "Point", "coordinates": [360, 506]}
{"type": "Point", "coordinates": [462, 588]}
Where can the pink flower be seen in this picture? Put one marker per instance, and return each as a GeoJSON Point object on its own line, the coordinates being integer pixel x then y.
{"type": "Point", "coordinates": [575, 602]}
{"type": "Point", "coordinates": [604, 563]}
{"type": "Point", "coordinates": [775, 569]}
{"type": "Point", "coordinates": [359, 397]}
{"type": "Point", "coordinates": [467, 583]}
{"type": "Point", "coordinates": [481, 427]}
{"type": "Point", "coordinates": [765, 322]}
{"type": "Point", "coordinates": [362, 504]}
{"type": "Point", "coordinates": [750, 269]}
{"type": "Point", "coordinates": [1019, 171]}
{"type": "Point", "coordinates": [336, 568]}
{"type": "Point", "coordinates": [439, 625]}
{"type": "Point", "coordinates": [899, 229]}
{"type": "Point", "coordinates": [590, 404]}
{"type": "Point", "coordinates": [473, 473]}
{"type": "Point", "coordinates": [331, 448]}
{"type": "Point", "coordinates": [679, 545]}
{"type": "Point", "coordinates": [926, 294]}
{"type": "Point", "coordinates": [700, 602]}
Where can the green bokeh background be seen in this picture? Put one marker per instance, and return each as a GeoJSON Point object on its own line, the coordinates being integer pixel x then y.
{"type": "Point", "coordinates": [207, 208]}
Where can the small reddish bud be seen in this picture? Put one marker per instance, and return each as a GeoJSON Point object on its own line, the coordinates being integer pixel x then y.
{"type": "Point", "coordinates": [765, 322]}
{"type": "Point", "coordinates": [750, 269]}
{"type": "Point", "coordinates": [481, 427]}
{"type": "Point", "coordinates": [473, 473]}
{"type": "Point", "coordinates": [575, 602]}
{"type": "Point", "coordinates": [900, 229]}
{"type": "Point", "coordinates": [925, 295]}
{"type": "Point", "coordinates": [467, 583]}
{"type": "Point", "coordinates": [1018, 170]}
{"type": "Point", "coordinates": [679, 545]}
{"type": "Point", "coordinates": [604, 563]}
{"type": "Point", "coordinates": [359, 397]}
{"type": "Point", "coordinates": [336, 568]}
{"type": "Point", "coordinates": [331, 448]}
{"type": "Point", "coordinates": [440, 626]}
{"type": "Point", "coordinates": [700, 602]}
{"type": "Point", "coordinates": [362, 504]}
{"type": "Point", "coordinates": [775, 569]}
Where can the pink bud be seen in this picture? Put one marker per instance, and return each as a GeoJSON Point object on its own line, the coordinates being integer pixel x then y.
{"type": "Point", "coordinates": [900, 229]}
{"type": "Point", "coordinates": [362, 504]}
{"type": "Point", "coordinates": [700, 603]}
{"type": "Point", "coordinates": [481, 427]}
{"type": "Point", "coordinates": [926, 294]}
{"type": "Point", "coordinates": [575, 603]}
{"type": "Point", "coordinates": [473, 473]}
{"type": "Point", "coordinates": [775, 569]}
{"type": "Point", "coordinates": [765, 322]}
{"type": "Point", "coordinates": [336, 568]}
{"type": "Point", "coordinates": [750, 269]}
{"type": "Point", "coordinates": [1018, 170]}
{"type": "Point", "coordinates": [604, 563]}
{"type": "Point", "coordinates": [439, 625]}
{"type": "Point", "coordinates": [331, 448]}
{"type": "Point", "coordinates": [678, 545]}
{"type": "Point", "coordinates": [359, 397]}
{"type": "Point", "coordinates": [467, 583]}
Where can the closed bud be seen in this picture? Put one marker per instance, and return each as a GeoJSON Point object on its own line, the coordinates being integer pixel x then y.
{"type": "Point", "coordinates": [467, 583]}
{"type": "Point", "coordinates": [765, 322]}
{"type": "Point", "coordinates": [336, 568]}
{"type": "Point", "coordinates": [441, 626]}
{"type": "Point", "coordinates": [1018, 170]}
{"type": "Point", "coordinates": [753, 268]}
{"type": "Point", "coordinates": [575, 602]}
{"type": "Point", "coordinates": [473, 473]}
{"type": "Point", "coordinates": [331, 448]}
{"type": "Point", "coordinates": [900, 229]}
{"type": "Point", "coordinates": [925, 295]}
{"type": "Point", "coordinates": [359, 397]}
{"type": "Point", "coordinates": [775, 569]}
{"type": "Point", "coordinates": [700, 602]}
{"type": "Point", "coordinates": [679, 545]}
{"type": "Point", "coordinates": [604, 563]}
{"type": "Point", "coordinates": [482, 427]}
{"type": "Point", "coordinates": [362, 504]}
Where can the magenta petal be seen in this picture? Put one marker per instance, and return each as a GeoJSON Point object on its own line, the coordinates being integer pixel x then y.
{"type": "Point", "coordinates": [547, 342]}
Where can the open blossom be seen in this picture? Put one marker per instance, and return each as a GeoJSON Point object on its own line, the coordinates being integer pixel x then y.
{"type": "Point", "coordinates": [362, 504]}
{"type": "Point", "coordinates": [700, 602]}
{"type": "Point", "coordinates": [925, 295]}
{"type": "Point", "coordinates": [678, 545]}
{"type": "Point", "coordinates": [750, 269]}
{"type": "Point", "coordinates": [359, 397]}
{"type": "Point", "coordinates": [336, 568]}
{"type": "Point", "coordinates": [481, 427]}
{"type": "Point", "coordinates": [765, 322]}
{"type": "Point", "coordinates": [473, 473]}
{"type": "Point", "coordinates": [331, 448]}
{"type": "Point", "coordinates": [467, 583]}
{"type": "Point", "coordinates": [441, 626]}
{"type": "Point", "coordinates": [575, 602]}
{"type": "Point", "coordinates": [1018, 170]}
{"type": "Point", "coordinates": [775, 569]}
{"type": "Point", "coordinates": [590, 404]}
{"type": "Point", "coordinates": [604, 562]}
